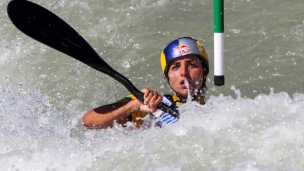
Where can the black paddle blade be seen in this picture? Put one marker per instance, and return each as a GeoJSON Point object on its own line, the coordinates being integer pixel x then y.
{"type": "Point", "coordinates": [47, 28]}
{"type": "Point", "coordinates": [44, 26]}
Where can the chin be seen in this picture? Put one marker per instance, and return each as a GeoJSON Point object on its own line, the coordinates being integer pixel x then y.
{"type": "Point", "coordinates": [185, 93]}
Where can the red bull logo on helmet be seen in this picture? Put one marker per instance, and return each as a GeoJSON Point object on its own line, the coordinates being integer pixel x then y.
{"type": "Point", "coordinates": [181, 50]}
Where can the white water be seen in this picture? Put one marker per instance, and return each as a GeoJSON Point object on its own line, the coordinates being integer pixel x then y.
{"type": "Point", "coordinates": [225, 134]}
{"type": "Point", "coordinates": [254, 122]}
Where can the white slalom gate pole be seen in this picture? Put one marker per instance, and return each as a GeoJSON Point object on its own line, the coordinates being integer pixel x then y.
{"type": "Point", "coordinates": [219, 70]}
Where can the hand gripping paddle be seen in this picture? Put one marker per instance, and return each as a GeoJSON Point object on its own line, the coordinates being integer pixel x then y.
{"type": "Point", "coordinates": [47, 28]}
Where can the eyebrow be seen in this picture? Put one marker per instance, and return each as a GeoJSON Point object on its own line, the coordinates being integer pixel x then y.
{"type": "Point", "coordinates": [187, 60]}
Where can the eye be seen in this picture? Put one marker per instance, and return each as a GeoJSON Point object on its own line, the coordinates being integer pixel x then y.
{"type": "Point", "coordinates": [175, 67]}
{"type": "Point", "coordinates": [192, 65]}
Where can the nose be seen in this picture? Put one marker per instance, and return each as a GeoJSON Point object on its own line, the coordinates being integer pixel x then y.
{"type": "Point", "coordinates": [184, 71]}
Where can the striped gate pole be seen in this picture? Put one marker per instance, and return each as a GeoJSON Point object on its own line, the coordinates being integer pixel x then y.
{"type": "Point", "coordinates": [219, 78]}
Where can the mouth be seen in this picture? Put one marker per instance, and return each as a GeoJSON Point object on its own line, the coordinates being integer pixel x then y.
{"type": "Point", "coordinates": [185, 82]}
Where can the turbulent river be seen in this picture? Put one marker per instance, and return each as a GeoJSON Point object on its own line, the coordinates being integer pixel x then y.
{"type": "Point", "coordinates": [255, 122]}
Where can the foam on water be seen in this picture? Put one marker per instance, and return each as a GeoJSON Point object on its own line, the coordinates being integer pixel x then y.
{"type": "Point", "coordinates": [264, 133]}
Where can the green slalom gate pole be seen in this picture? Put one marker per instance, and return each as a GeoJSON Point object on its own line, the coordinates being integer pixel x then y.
{"type": "Point", "coordinates": [219, 72]}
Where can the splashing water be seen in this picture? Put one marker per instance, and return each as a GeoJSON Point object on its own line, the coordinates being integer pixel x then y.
{"type": "Point", "coordinates": [224, 134]}
{"type": "Point", "coordinates": [189, 97]}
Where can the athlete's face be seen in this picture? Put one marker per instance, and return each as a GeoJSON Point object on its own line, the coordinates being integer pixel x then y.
{"type": "Point", "coordinates": [187, 68]}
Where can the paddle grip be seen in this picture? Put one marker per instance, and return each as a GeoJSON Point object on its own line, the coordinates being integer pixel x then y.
{"type": "Point", "coordinates": [167, 109]}
{"type": "Point", "coordinates": [162, 106]}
